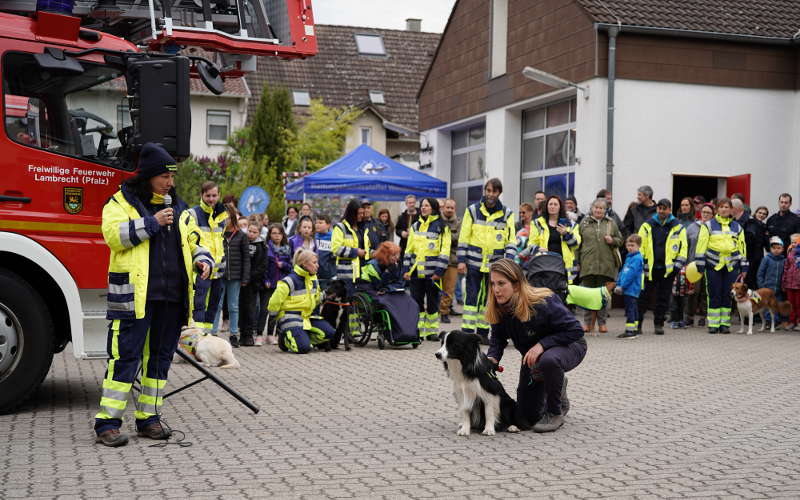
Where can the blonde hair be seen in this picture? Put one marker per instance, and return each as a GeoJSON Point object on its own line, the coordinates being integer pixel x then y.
{"type": "Point", "coordinates": [525, 297]}
{"type": "Point", "coordinates": [302, 256]}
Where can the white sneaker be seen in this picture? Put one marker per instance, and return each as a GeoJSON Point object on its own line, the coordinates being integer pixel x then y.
{"type": "Point", "coordinates": [259, 340]}
{"type": "Point", "coordinates": [273, 340]}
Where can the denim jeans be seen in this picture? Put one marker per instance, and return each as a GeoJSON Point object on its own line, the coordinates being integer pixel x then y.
{"type": "Point", "coordinates": [230, 288]}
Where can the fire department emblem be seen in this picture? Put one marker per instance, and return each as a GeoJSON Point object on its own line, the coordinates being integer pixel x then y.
{"type": "Point", "coordinates": [73, 200]}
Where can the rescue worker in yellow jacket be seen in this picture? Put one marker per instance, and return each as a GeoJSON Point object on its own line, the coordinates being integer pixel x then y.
{"type": "Point", "coordinates": [664, 250]}
{"type": "Point", "coordinates": [294, 304]}
{"type": "Point", "coordinates": [350, 246]}
{"type": "Point", "coordinates": [425, 262]}
{"type": "Point", "coordinates": [555, 232]}
{"type": "Point", "coordinates": [487, 235]}
{"type": "Point", "coordinates": [722, 254]}
{"type": "Point", "coordinates": [211, 217]}
{"type": "Point", "coordinates": [150, 280]}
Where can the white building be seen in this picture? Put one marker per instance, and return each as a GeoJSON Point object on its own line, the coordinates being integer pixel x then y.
{"type": "Point", "coordinates": [705, 102]}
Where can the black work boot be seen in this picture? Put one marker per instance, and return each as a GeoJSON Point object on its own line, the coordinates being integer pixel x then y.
{"type": "Point", "coordinates": [155, 431]}
{"type": "Point", "coordinates": [112, 438]}
{"type": "Point", "coordinates": [234, 340]}
{"type": "Point", "coordinates": [247, 339]}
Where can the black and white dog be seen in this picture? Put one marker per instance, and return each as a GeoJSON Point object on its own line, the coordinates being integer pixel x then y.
{"type": "Point", "coordinates": [481, 398]}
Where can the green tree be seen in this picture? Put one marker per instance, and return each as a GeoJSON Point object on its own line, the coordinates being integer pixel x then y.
{"type": "Point", "coordinates": [273, 128]}
{"type": "Point", "coordinates": [321, 138]}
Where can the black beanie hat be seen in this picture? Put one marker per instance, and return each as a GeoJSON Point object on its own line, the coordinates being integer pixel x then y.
{"type": "Point", "coordinates": [154, 160]}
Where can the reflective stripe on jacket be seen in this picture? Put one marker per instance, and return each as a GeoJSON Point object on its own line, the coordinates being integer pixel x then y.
{"type": "Point", "coordinates": [428, 248]}
{"type": "Point", "coordinates": [211, 223]}
{"type": "Point", "coordinates": [721, 243]}
{"type": "Point", "coordinates": [127, 228]}
{"type": "Point", "coordinates": [486, 236]}
{"type": "Point", "coordinates": [540, 234]}
{"type": "Point", "coordinates": [295, 299]}
{"type": "Point", "coordinates": [344, 244]}
{"type": "Point", "coordinates": [675, 253]}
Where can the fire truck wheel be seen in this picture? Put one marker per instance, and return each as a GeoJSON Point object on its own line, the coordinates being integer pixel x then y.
{"type": "Point", "coordinates": [26, 340]}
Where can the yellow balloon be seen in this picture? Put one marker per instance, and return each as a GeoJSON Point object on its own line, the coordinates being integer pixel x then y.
{"type": "Point", "coordinates": [692, 274]}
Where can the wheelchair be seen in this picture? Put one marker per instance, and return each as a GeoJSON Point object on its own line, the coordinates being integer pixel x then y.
{"type": "Point", "coordinates": [373, 318]}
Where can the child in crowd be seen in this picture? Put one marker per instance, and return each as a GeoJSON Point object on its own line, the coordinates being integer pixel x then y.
{"type": "Point", "coordinates": [237, 271]}
{"type": "Point", "coordinates": [629, 284]}
{"type": "Point", "coordinates": [680, 291]}
{"type": "Point", "coordinates": [770, 271]}
{"type": "Point", "coordinates": [304, 239]}
{"type": "Point", "coordinates": [252, 301]}
{"type": "Point", "coordinates": [263, 220]}
{"type": "Point", "coordinates": [327, 262]}
{"type": "Point", "coordinates": [279, 265]}
{"type": "Point", "coordinates": [791, 281]}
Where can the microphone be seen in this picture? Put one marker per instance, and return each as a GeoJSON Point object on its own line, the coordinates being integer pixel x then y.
{"type": "Point", "coordinates": [168, 204]}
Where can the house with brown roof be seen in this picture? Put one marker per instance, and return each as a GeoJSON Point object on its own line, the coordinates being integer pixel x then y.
{"type": "Point", "coordinates": [690, 97]}
{"type": "Point", "coordinates": [377, 70]}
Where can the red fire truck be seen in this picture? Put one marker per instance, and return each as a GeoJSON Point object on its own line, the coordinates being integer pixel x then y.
{"type": "Point", "coordinates": [66, 147]}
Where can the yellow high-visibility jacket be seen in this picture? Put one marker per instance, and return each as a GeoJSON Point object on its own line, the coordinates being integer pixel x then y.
{"type": "Point", "coordinates": [486, 236]}
{"type": "Point", "coordinates": [294, 299]}
{"type": "Point", "coordinates": [428, 249]}
{"type": "Point", "coordinates": [127, 228]}
{"type": "Point", "coordinates": [344, 245]}
{"type": "Point", "coordinates": [211, 223]}
{"type": "Point", "coordinates": [721, 243]}
{"type": "Point", "coordinates": [676, 249]}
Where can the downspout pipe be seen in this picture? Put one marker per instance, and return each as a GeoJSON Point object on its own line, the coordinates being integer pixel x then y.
{"type": "Point", "coordinates": [613, 31]}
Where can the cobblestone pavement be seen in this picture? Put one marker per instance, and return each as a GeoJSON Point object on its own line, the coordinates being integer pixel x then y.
{"type": "Point", "coordinates": [684, 415]}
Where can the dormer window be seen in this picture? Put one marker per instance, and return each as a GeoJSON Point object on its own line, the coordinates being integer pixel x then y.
{"type": "Point", "coordinates": [301, 98]}
{"type": "Point", "coordinates": [370, 45]}
{"type": "Point", "coordinates": [376, 97]}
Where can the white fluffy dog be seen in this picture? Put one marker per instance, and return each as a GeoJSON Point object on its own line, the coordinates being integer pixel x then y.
{"type": "Point", "coordinates": [207, 349]}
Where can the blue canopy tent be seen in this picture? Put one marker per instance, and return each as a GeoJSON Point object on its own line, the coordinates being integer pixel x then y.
{"type": "Point", "coordinates": [365, 172]}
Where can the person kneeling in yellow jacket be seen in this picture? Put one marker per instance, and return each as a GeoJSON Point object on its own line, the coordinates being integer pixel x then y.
{"type": "Point", "coordinates": [294, 302]}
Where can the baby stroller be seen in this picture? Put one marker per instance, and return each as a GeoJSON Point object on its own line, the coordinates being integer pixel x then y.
{"type": "Point", "coordinates": [546, 270]}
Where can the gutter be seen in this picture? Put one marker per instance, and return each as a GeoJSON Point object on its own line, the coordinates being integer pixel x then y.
{"type": "Point", "coordinates": [687, 33]}
{"type": "Point", "coordinates": [613, 30]}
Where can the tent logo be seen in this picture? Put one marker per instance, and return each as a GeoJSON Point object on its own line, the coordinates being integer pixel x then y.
{"type": "Point", "coordinates": [371, 168]}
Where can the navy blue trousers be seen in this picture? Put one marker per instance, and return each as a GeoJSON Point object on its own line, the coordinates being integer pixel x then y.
{"type": "Point", "coordinates": [540, 388]}
{"type": "Point", "coordinates": [631, 312]}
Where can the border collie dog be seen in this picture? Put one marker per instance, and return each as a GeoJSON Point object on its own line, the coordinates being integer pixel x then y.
{"type": "Point", "coordinates": [482, 401]}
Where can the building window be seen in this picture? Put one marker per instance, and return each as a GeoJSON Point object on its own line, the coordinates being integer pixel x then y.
{"type": "Point", "coordinates": [301, 98]}
{"type": "Point", "coordinates": [370, 45]}
{"type": "Point", "coordinates": [366, 135]}
{"type": "Point", "coordinates": [499, 38]}
{"type": "Point", "coordinates": [468, 170]}
{"type": "Point", "coordinates": [123, 116]}
{"type": "Point", "coordinates": [376, 97]}
{"type": "Point", "coordinates": [548, 150]}
{"type": "Point", "coordinates": [219, 126]}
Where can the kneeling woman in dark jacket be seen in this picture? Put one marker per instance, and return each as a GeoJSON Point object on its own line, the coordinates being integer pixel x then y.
{"type": "Point", "coordinates": [548, 336]}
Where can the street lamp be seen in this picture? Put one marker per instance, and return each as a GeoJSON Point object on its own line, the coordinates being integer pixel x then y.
{"type": "Point", "coordinates": [552, 80]}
